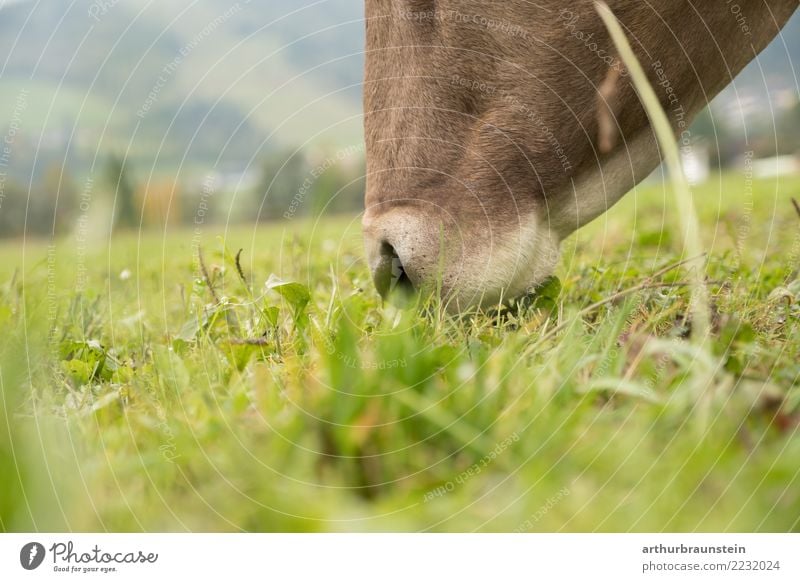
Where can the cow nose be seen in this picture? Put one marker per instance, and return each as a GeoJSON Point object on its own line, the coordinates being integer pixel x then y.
{"type": "Point", "coordinates": [389, 273]}
{"type": "Point", "coordinates": [401, 251]}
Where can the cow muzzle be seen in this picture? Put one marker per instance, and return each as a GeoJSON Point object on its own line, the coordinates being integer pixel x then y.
{"type": "Point", "coordinates": [402, 251]}
{"type": "Point", "coordinates": [410, 249]}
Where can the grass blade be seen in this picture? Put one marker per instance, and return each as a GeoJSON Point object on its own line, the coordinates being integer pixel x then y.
{"type": "Point", "coordinates": [701, 386]}
{"type": "Point", "coordinates": [680, 186]}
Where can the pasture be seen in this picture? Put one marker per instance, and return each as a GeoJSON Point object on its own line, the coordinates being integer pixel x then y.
{"type": "Point", "coordinates": [144, 390]}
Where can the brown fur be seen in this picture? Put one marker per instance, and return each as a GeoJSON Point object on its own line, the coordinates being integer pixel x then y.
{"type": "Point", "coordinates": [473, 127]}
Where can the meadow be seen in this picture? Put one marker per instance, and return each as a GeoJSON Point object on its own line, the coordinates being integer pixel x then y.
{"type": "Point", "coordinates": [147, 389]}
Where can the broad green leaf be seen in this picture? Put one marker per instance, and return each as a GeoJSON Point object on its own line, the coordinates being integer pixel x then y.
{"type": "Point", "coordinates": [296, 294]}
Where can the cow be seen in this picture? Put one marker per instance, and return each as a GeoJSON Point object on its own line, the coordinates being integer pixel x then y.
{"type": "Point", "coordinates": [495, 129]}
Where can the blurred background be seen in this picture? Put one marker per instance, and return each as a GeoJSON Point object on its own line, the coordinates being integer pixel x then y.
{"type": "Point", "coordinates": [136, 114]}
{"type": "Point", "coordinates": [163, 102]}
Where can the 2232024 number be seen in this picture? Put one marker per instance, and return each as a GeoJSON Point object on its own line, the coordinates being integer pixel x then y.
{"type": "Point", "coordinates": [751, 565]}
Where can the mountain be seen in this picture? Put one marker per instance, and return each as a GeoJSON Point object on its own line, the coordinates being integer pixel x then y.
{"type": "Point", "coordinates": [213, 82]}
{"type": "Point", "coordinates": [170, 84]}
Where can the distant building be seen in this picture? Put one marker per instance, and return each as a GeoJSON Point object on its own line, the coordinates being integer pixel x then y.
{"type": "Point", "coordinates": [232, 178]}
{"type": "Point", "coordinates": [696, 163]}
{"type": "Point", "coordinates": [776, 166]}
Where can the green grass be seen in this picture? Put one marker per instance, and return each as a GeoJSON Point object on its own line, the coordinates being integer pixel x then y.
{"type": "Point", "coordinates": [136, 405]}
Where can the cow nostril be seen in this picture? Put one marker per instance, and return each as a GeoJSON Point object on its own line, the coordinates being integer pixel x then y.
{"type": "Point", "coordinates": [390, 275]}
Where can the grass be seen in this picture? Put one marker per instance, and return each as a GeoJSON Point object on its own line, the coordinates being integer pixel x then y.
{"type": "Point", "coordinates": [144, 402]}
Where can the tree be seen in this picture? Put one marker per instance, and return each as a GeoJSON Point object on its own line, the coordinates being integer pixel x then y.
{"type": "Point", "coordinates": [161, 202]}
{"type": "Point", "coordinates": [789, 131]}
{"type": "Point", "coordinates": [284, 187]}
{"type": "Point", "coordinates": [127, 213]}
{"type": "Point", "coordinates": [724, 145]}
{"type": "Point", "coordinates": [56, 201]}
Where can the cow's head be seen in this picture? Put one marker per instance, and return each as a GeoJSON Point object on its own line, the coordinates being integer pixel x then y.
{"type": "Point", "coordinates": [482, 122]}
{"type": "Point", "coordinates": [454, 196]}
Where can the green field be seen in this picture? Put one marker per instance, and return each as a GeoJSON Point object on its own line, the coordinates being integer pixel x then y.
{"type": "Point", "coordinates": [136, 398]}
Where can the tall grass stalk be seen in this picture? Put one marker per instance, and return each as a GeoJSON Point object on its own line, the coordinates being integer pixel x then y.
{"type": "Point", "coordinates": [692, 246]}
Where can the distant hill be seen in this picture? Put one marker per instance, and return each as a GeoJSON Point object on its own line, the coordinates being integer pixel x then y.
{"type": "Point", "coordinates": [182, 84]}
{"type": "Point", "coordinates": [212, 82]}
